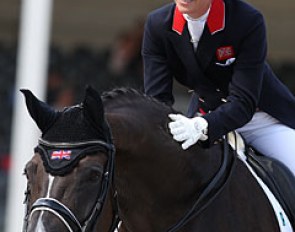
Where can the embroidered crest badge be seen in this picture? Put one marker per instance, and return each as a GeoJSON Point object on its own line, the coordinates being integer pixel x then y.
{"type": "Point", "coordinates": [224, 53]}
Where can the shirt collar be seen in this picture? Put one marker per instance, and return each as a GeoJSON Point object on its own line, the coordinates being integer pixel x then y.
{"type": "Point", "coordinates": [215, 22]}
{"type": "Point", "coordinates": [201, 18]}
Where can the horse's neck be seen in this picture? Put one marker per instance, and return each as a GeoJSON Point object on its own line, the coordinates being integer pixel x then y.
{"type": "Point", "coordinates": [158, 183]}
{"type": "Point", "coordinates": [162, 189]}
{"type": "Point", "coordinates": [151, 199]}
{"type": "Point", "coordinates": [157, 179]}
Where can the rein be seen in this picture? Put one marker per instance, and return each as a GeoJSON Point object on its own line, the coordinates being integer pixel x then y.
{"type": "Point", "coordinates": [61, 211]}
{"type": "Point", "coordinates": [213, 189]}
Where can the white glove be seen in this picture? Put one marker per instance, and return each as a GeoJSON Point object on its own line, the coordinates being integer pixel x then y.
{"type": "Point", "coordinates": [189, 130]}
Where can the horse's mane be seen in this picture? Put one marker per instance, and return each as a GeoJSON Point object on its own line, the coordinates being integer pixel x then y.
{"type": "Point", "coordinates": [134, 113]}
{"type": "Point", "coordinates": [125, 96]}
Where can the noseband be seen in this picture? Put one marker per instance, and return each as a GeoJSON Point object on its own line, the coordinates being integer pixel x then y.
{"type": "Point", "coordinates": [66, 216]}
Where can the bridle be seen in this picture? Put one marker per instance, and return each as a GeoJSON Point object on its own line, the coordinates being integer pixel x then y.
{"type": "Point", "coordinates": [66, 216]}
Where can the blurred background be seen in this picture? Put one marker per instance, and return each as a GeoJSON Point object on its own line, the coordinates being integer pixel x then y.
{"type": "Point", "coordinates": [98, 43]}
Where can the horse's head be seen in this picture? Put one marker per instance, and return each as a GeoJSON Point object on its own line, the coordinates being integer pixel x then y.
{"type": "Point", "coordinates": [70, 173]}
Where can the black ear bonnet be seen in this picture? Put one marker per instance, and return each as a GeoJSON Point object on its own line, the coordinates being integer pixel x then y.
{"type": "Point", "coordinates": [70, 134]}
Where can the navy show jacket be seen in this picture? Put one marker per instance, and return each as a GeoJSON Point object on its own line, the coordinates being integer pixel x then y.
{"type": "Point", "coordinates": [228, 72]}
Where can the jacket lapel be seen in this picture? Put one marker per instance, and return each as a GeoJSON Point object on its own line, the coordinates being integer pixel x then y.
{"type": "Point", "coordinates": [209, 41]}
{"type": "Point", "coordinates": [213, 33]}
{"type": "Point", "coordinates": [185, 51]}
{"type": "Point", "coordinates": [207, 47]}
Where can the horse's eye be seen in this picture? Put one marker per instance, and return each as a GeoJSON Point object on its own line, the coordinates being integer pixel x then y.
{"type": "Point", "coordinates": [95, 174]}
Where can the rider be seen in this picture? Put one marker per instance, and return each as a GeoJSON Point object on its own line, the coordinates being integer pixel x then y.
{"type": "Point", "coordinates": [218, 49]}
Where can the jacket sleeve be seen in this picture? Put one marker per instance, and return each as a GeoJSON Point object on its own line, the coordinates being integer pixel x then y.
{"type": "Point", "coordinates": [158, 81]}
{"type": "Point", "coordinates": [245, 85]}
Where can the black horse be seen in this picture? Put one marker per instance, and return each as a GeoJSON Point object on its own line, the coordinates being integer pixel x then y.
{"type": "Point", "coordinates": [156, 185]}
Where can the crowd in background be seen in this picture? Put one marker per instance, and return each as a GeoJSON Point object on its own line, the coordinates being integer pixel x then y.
{"type": "Point", "coordinates": [118, 65]}
{"type": "Point", "coordinates": [70, 72]}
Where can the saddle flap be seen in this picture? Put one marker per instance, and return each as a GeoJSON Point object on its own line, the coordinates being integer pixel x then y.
{"type": "Point", "coordinates": [279, 179]}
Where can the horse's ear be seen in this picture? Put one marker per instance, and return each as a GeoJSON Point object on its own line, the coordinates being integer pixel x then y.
{"type": "Point", "coordinates": [42, 113]}
{"type": "Point", "coordinates": [93, 107]}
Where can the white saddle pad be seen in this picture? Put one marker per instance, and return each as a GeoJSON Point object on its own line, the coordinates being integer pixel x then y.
{"type": "Point", "coordinates": [237, 143]}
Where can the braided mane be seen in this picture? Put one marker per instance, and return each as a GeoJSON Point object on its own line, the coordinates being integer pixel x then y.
{"type": "Point", "coordinates": [123, 92]}
{"type": "Point", "coordinates": [125, 95]}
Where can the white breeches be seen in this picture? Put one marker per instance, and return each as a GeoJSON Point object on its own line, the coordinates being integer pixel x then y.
{"type": "Point", "coordinates": [270, 137]}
